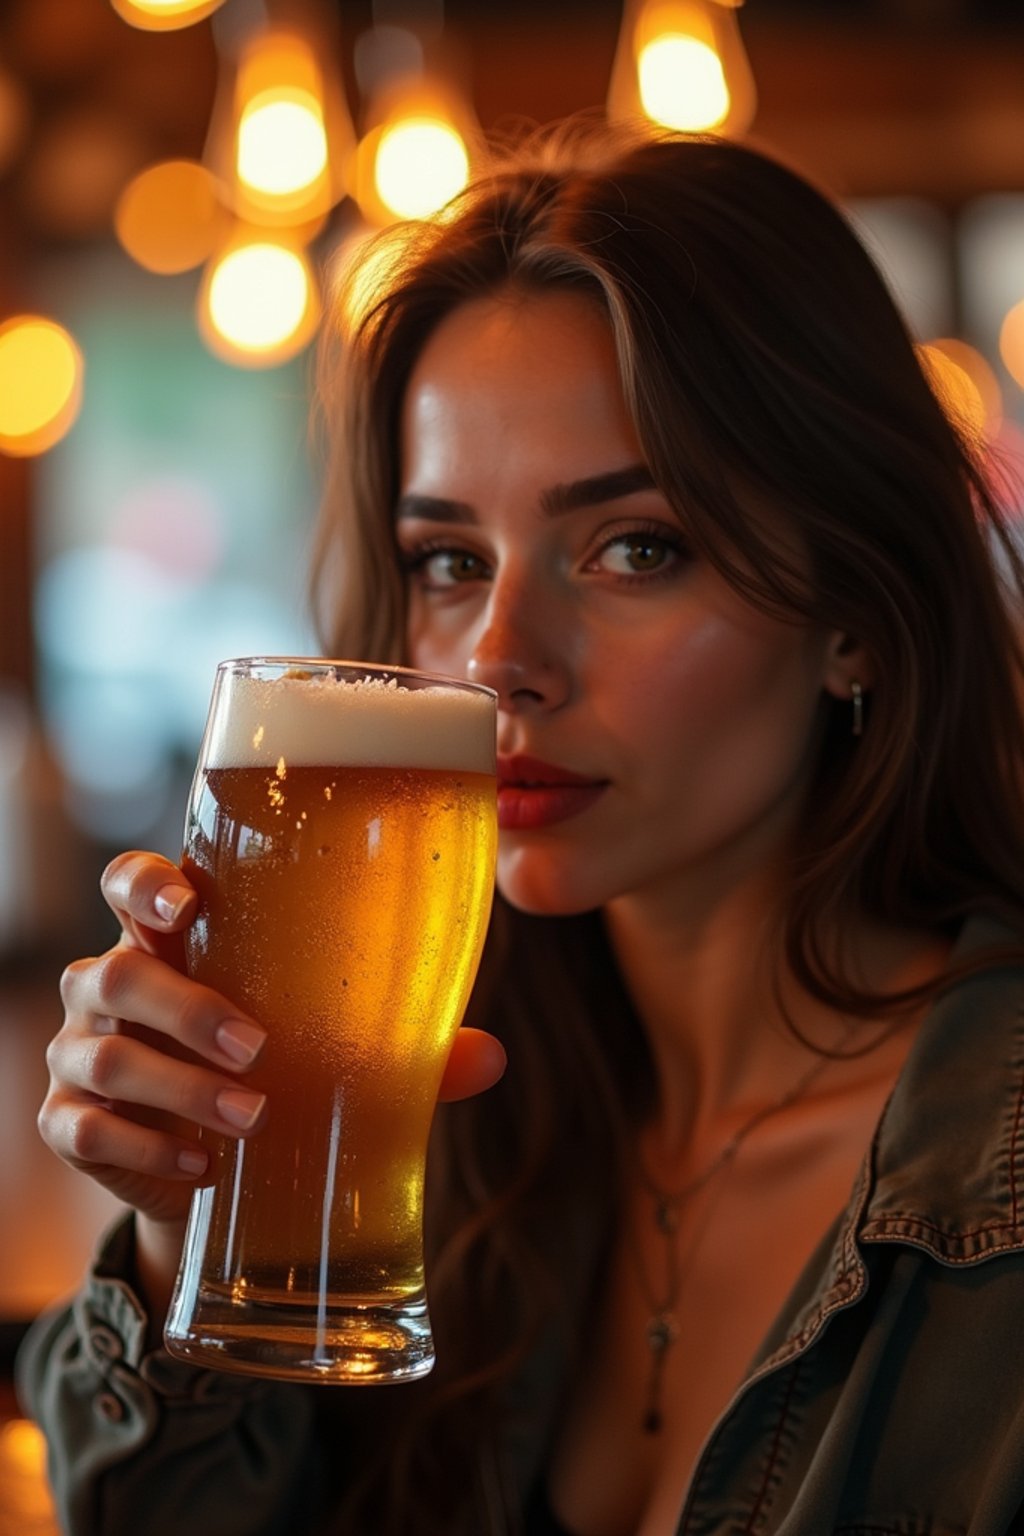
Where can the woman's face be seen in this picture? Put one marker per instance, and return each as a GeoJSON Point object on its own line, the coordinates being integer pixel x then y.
{"type": "Point", "coordinates": [655, 731]}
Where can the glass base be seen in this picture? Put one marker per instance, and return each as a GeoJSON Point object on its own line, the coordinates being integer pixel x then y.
{"type": "Point", "coordinates": [346, 1345]}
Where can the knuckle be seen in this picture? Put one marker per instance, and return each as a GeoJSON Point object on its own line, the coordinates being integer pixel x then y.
{"type": "Point", "coordinates": [71, 978]}
{"type": "Point", "coordinates": [114, 874]}
{"type": "Point", "coordinates": [128, 877]}
{"type": "Point", "coordinates": [85, 1134]}
{"type": "Point", "coordinates": [105, 1063]}
{"type": "Point", "coordinates": [115, 972]}
{"type": "Point", "coordinates": [55, 1055]}
{"type": "Point", "coordinates": [46, 1121]}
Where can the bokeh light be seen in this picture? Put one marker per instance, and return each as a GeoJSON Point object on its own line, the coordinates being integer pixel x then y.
{"type": "Point", "coordinates": [1011, 343]}
{"type": "Point", "coordinates": [164, 15]}
{"type": "Point", "coordinates": [421, 164]}
{"type": "Point", "coordinates": [282, 143]}
{"type": "Point", "coordinates": [26, 1496]}
{"type": "Point", "coordinates": [40, 384]}
{"type": "Point", "coordinates": [168, 218]}
{"type": "Point", "coordinates": [258, 305]}
{"type": "Point", "coordinates": [682, 84]}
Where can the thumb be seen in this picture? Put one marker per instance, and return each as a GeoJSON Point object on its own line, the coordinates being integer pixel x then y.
{"type": "Point", "coordinates": [476, 1062]}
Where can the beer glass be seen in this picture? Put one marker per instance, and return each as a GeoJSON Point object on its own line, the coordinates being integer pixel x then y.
{"type": "Point", "coordinates": [341, 835]}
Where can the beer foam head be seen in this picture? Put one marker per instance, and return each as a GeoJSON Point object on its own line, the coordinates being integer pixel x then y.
{"type": "Point", "coordinates": [315, 719]}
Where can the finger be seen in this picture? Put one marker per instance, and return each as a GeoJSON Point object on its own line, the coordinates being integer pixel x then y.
{"type": "Point", "coordinates": [127, 984]}
{"type": "Point", "coordinates": [118, 1069]}
{"type": "Point", "coordinates": [152, 900]}
{"type": "Point", "coordinates": [476, 1062]}
{"type": "Point", "coordinates": [94, 1139]}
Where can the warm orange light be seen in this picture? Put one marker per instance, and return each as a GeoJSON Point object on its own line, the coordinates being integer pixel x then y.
{"type": "Point", "coordinates": [1011, 343]}
{"type": "Point", "coordinates": [682, 84]}
{"type": "Point", "coordinates": [164, 15]}
{"type": "Point", "coordinates": [40, 384]}
{"type": "Point", "coordinates": [27, 1502]}
{"type": "Point", "coordinates": [682, 65]}
{"type": "Point", "coordinates": [168, 218]}
{"type": "Point", "coordinates": [258, 304]}
{"type": "Point", "coordinates": [421, 163]}
{"type": "Point", "coordinates": [282, 143]}
{"type": "Point", "coordinates": [290, 133]}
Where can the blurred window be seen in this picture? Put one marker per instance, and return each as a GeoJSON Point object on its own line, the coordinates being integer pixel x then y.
{"type": "Point", "coordinates": [173, 531]}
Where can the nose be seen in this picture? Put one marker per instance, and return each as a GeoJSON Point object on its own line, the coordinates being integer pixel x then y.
{"type": "Point", "coordinates": [521, 651]}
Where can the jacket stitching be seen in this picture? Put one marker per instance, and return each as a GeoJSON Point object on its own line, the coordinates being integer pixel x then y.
{"type": "Point", "coordinates": [1014, 1140]}
{"type": "Point", "coordinates": [881, 1223]}
{"type": "Point", "coordinates": [775, 1449]}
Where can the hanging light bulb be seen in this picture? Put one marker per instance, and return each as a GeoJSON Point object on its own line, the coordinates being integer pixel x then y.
{"type": "Point", "coordinates": [421, 163]}
{"type": "Point", "coordinates": [40, 384]}
{"type": "Point", "coordinates": [415, 153]}
{"type": "Point", "coordinates": [417, 157]}
{"type": "Point", "coordinates": [280, 137]}
{"type": "Point", "coordinates": [282, 144]}
{"type": "Point", "coordinates": [258, 303]}
{"type": "Point", "coordinates": [681, 64]}
{"type": "Point", "coordinates": [281, 152]}
{"type": "Point", "coordinates": [164, 15]}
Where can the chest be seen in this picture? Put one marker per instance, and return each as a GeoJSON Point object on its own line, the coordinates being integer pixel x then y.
{"type": "Point", "coordinates": [682, 1316]}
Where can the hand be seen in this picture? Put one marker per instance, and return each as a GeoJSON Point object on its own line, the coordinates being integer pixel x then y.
{"type": "Point", "coordinates": [145, 1056]}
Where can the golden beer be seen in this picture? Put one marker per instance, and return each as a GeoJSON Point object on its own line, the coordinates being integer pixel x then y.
{"type": "Point", "coordinates": [341, 836]}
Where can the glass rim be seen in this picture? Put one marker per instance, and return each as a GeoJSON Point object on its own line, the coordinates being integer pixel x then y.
{"type": "Point", "coordinates": [384, 670]}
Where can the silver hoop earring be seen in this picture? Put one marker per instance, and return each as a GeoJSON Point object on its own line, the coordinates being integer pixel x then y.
{"type": "Point", "coordinates": [857, 695]}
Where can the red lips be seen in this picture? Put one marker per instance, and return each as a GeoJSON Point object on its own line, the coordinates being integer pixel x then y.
{"type": "Point", "coordinates": [532, 793]}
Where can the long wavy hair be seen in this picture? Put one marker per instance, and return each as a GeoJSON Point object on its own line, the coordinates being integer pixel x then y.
{"type": "Point", "coordinates": [762, 360]}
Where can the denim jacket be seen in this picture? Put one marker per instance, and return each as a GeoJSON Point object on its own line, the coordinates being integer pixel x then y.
{"type": "Point", "coordinates": [888, 1399]}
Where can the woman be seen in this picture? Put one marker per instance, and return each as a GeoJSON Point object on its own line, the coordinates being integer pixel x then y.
{"type": "Point", "coordinates": [637, 438]}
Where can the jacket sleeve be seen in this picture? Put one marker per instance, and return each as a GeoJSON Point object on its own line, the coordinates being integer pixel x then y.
{"type": "Point", "coordinates": [141, 1441]}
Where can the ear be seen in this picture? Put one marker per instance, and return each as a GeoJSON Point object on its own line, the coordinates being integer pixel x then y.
{"type": "Point", "coordinates": [846, 662]}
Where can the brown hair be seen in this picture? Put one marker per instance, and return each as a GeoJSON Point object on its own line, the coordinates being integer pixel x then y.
{"type": "Point", "coordinates": [760, 352]}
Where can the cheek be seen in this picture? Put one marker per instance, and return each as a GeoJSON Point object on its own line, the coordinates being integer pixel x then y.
{"type": "Point", "coordinates": [721, 683]}
{"type": "Point", "coordinates": [435, 647]}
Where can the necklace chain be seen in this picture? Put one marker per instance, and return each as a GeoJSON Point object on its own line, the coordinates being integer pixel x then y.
{"type": "Point", "coordinates": [662, 1324]}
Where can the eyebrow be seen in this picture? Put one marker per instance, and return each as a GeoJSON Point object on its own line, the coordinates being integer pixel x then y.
{"type": "Point", "coordinates": [590, 492]}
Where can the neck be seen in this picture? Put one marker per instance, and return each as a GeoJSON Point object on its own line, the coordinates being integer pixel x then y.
{"type": "Point", "coordinates": [719, 1014]}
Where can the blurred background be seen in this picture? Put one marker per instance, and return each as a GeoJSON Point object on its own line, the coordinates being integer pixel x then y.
{"type": "Point", "coordinates": [179, 181]}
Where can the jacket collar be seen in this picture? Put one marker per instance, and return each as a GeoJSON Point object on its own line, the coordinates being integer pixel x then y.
{"type": "Point", "coordinates": [947, 1170]}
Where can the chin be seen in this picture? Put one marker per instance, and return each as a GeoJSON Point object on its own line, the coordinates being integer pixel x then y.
{"type": "Point", "coordinates": [543, 890]}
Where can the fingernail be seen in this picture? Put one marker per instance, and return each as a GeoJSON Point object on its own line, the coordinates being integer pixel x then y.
{"type": "Point", "coordinates": [192, 1162]}
{"type": "Point", "coordinates": [170, 902]}
{"type": "Point", "coordinates": [240, 1041]}
{"type": "Point", "coordinates": [240, 1108]}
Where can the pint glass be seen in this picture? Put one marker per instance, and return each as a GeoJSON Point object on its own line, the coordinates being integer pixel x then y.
{"type": "Point", "coordinates": [341, 836]}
